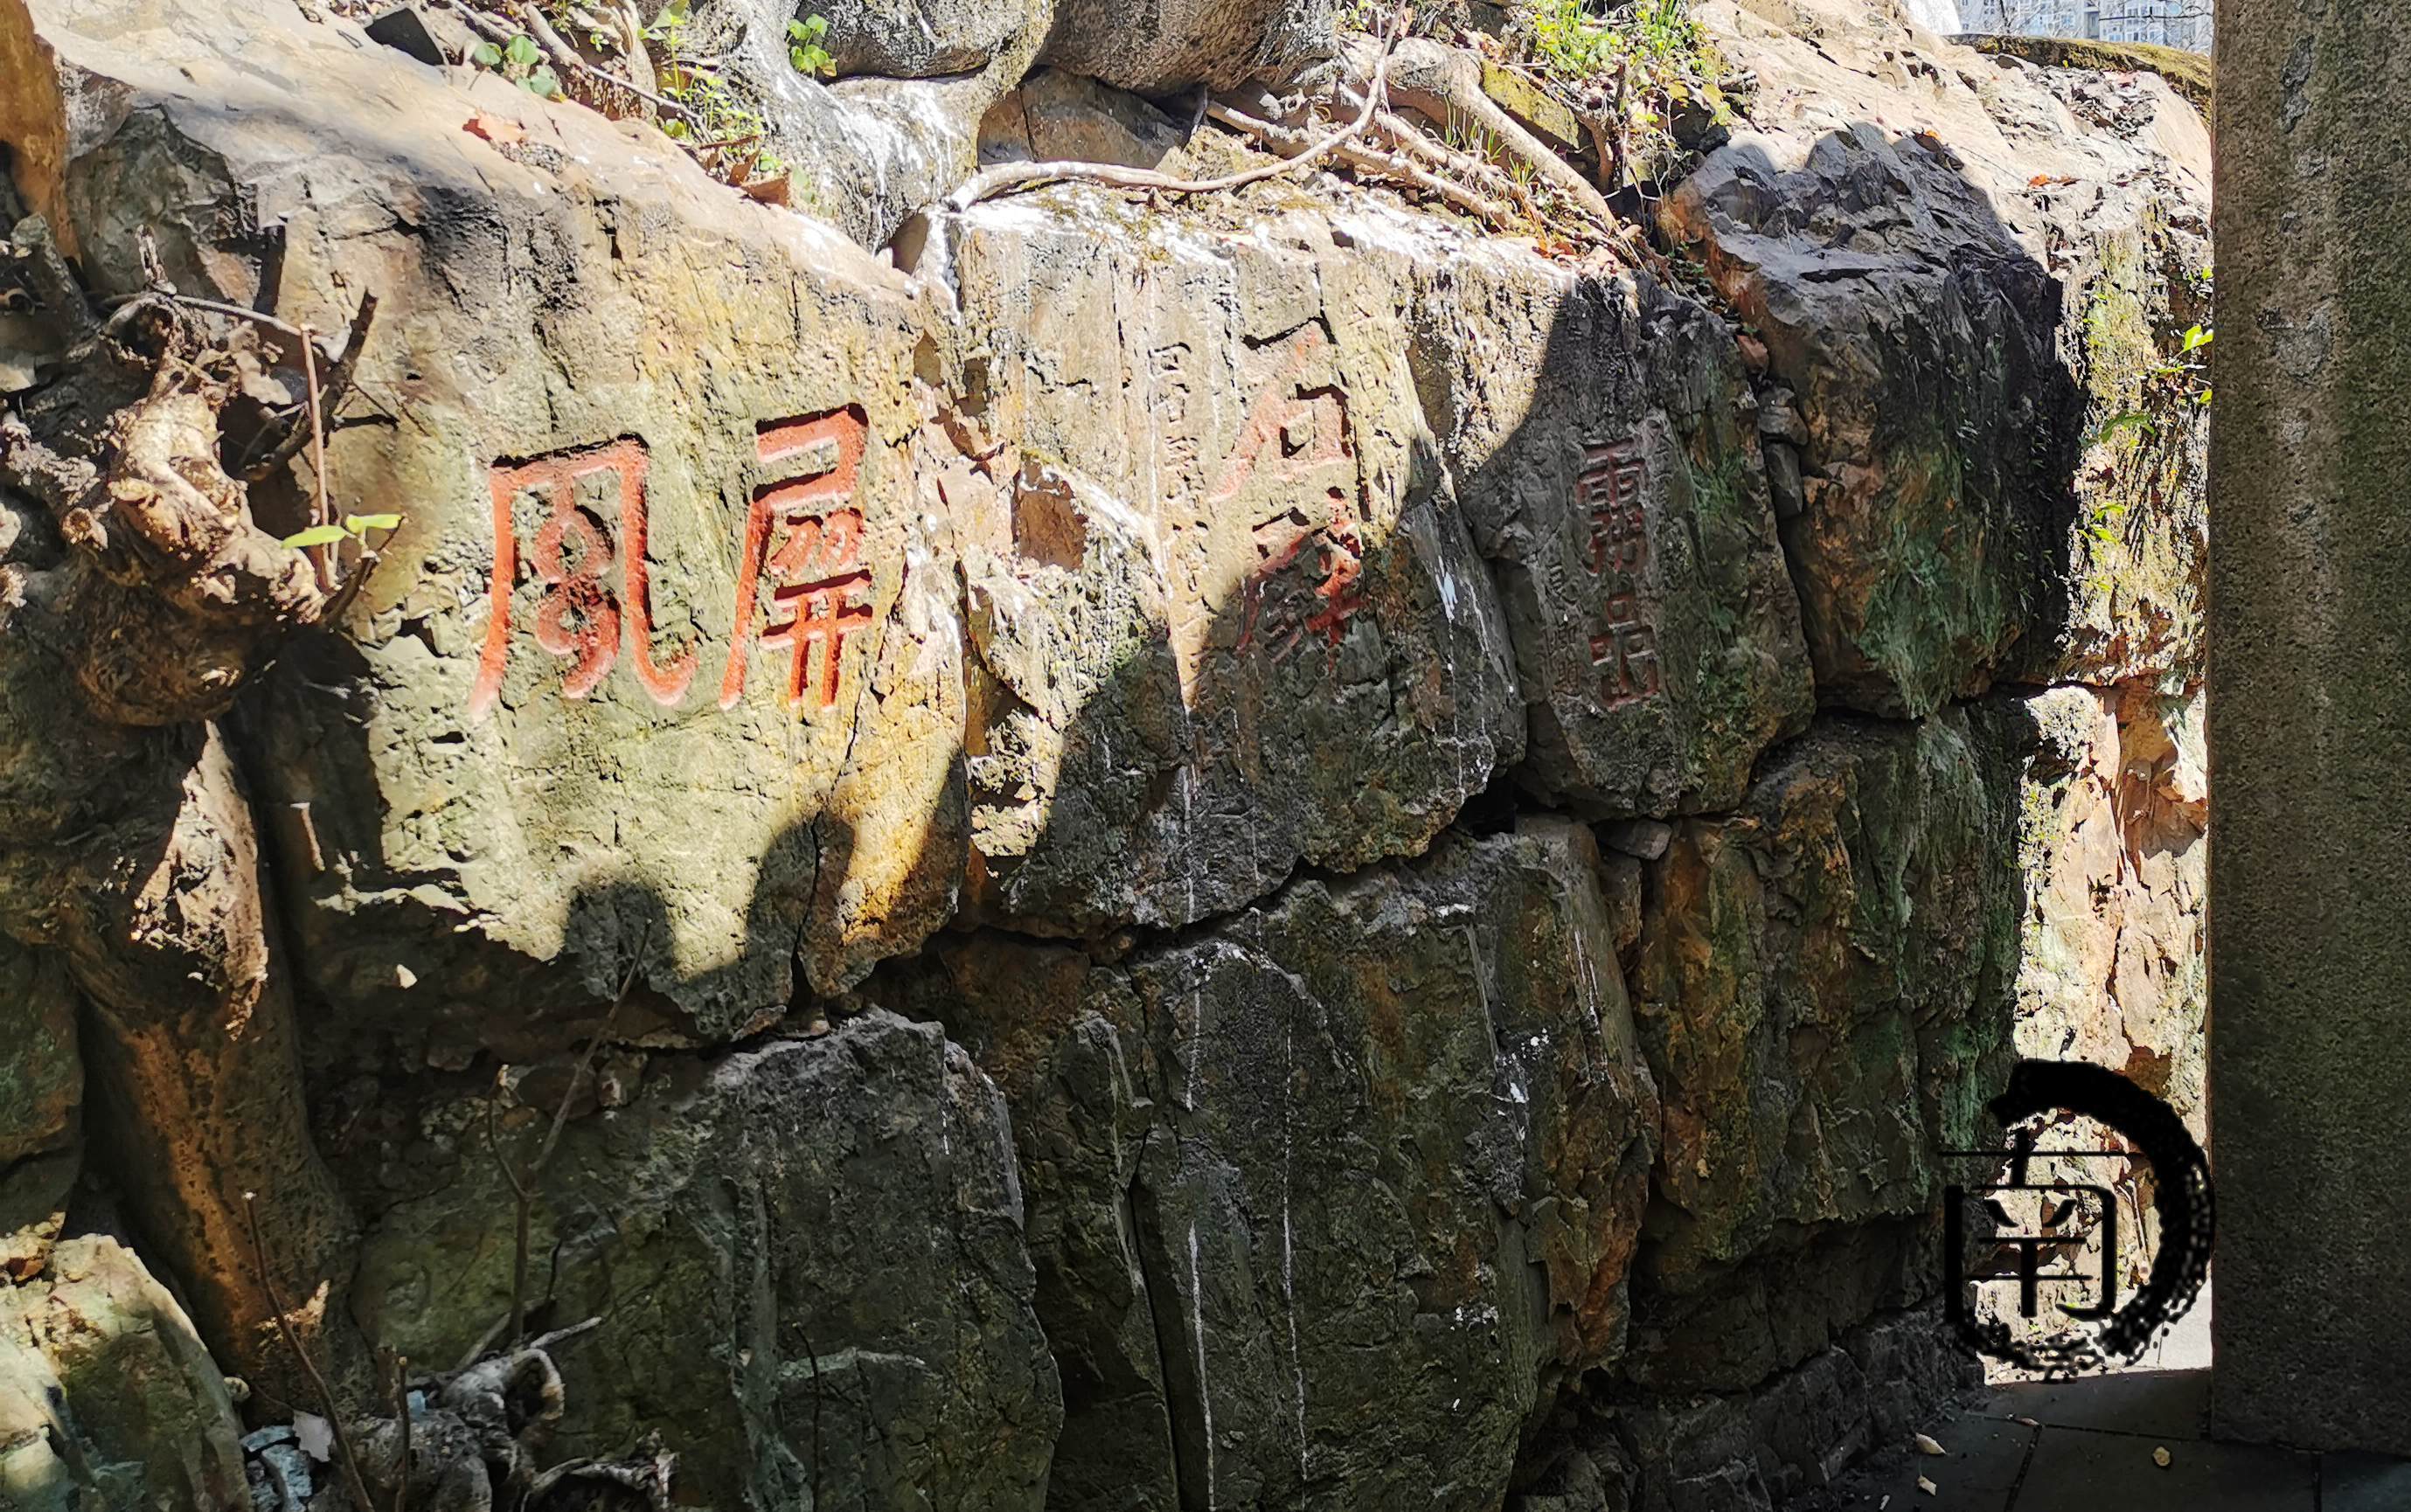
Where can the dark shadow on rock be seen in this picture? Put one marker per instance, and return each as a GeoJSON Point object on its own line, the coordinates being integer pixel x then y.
{"type": "Point", "coordinates": [1970, 426]}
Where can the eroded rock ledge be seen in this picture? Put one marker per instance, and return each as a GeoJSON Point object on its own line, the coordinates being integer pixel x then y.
{"type": "Point", "coordinates": [1274, 853]}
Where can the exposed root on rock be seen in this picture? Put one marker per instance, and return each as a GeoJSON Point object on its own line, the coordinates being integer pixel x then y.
{"type": "Point", "coordinates": [138, 591]}
{"type": "Point", "coordinates": [1443, 84]}
{"type": "Point", "coordinates": [1423, 79]}
{"type": "Point", "coordinates": [1007, 177]}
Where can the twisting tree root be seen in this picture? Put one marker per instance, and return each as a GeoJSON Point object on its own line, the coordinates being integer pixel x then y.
{"type": "Point", "coordinates": [137, 594]}
{"type": "Point", "coordinates": [1007, 177]}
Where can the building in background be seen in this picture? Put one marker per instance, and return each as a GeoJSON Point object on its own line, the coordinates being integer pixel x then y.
{"type": "Point", "coordinates": [2183, 24]}
{"type": "Point", "coordinates": [1937, 15]}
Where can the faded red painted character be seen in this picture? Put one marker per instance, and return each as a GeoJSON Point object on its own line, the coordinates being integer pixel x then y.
{"type": "Point", "coordinates": [1609, 490]}
{"type": "Point", "coordinates": [1295, 442]}
{"type": "Point", "coordinates": [1627, 652]}
{"type": "Point", "coordinates": [578, 615]}
{"type": "Point", "coordinates": [1276, 612]}
{"type": "Point", "coordinates": [1301, 431]}
{"type": "Point", "coordinates": [800, 534]}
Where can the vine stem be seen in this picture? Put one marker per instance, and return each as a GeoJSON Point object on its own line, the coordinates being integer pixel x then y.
{"type": "Point", "coordinates": [324, 512]}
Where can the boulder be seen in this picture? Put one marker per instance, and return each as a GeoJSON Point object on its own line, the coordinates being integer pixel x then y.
{"type": "Point", "coordinates": [1058, 117]}
{"type": "Point", "coordinates": [1796, 1432]}
{"type": "Point", "coordinates": [1167, 45]}
{"type": "Point", "coordinates": [1328, 1200]}
{"type": "Point", "coordinates": [809, 1256]}
{"type": "Point", "coordinates": [912, 38]}
{"type": "Point", "coordinates": [1224, 611]}
{"type": "Point", "coordinates": [1604, 440]}
{"type": "Point", "coordinates": [106, 1396]}
{"type": "Point", "coordinates": [1823, 991]}
{"type": "Point", "coordinates": [1752, 1450]}
{"type": "Point", "coordinates": [1966, 267]}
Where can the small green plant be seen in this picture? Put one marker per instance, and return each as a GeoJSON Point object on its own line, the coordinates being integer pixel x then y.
{"type": "Point", "coordinates": [2182, 380]}
{"type": "Point", "coordinates": [1632, 71]}
{"type": "Point", "coordinates": [521, 61]}
{"type": "Point", "coordinates": [803, 50]}
{"type": "Point", "coordinates": [353, 526]}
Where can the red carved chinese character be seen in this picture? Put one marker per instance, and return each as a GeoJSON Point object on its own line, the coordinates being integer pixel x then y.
{"type": "Point", "coordinates": [578, 615]}
{"type": "Point", "coordinates": [1339, 562]}
{"type": "Point", "coordinates": [1629, 651]}
{"type": "Point", "coordinates": [813, 560]}
{"type": "Point", "coordinates": [1303, 429]}
{"type": "Point", "coordinates": [1609, 489]}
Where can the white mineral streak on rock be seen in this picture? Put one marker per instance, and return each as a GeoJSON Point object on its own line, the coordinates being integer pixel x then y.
{"type": "Point", "coordinates": [1205, 1394]}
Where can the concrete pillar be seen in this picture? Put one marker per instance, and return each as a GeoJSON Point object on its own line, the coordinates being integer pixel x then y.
{"type": "Point", "coordinates": [2310, 724]}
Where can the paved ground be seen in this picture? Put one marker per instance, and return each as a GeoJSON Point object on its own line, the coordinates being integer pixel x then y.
{"type": "Point", "coordinates": [2082, 1446]}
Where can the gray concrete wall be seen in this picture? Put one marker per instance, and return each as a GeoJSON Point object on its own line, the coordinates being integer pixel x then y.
{"type": "Point", "coordinates": [2310, 724]}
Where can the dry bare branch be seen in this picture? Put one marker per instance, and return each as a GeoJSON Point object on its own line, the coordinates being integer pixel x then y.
{"type": "Point", "coordinates": [1444, 83]}
{"type": "Point", "coordinates": [524, 1184]}
{"type": "Point", "coordinates": [1289, 142]}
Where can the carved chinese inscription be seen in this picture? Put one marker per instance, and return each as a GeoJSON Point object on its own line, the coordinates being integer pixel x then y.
{"type": "Point", "coordinates": [1282, 603]}
{"type": "Point", "coordinates": [1289, 433]}
{"type": "Point", "coordinates": [1295, 450]}
{"type": "Point", "coordinates": [802, 551]}
{"type": "Point", "coordinates": [1610, 491]}
{"type": "Point", "coordinates": [580, 616]}
{"type": "Point", "coordinates": [1627, 655]}
{"type": "Point", "coordinates": [805, 540]}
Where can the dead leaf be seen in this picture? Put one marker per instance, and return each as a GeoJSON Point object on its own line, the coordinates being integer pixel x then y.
{"type": "Point", "coordinates": [1927, 1446]}
{"type": "Point", "coordinates": [495, 129]}
{"type": "Point", "coordinates": [768, 191]}
{"type": "Point", "coordinates": [1928, 1487]}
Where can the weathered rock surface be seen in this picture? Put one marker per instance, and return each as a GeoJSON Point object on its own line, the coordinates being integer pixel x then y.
{"type": "Point", "coordinates": [1058, 117]}
{"type": "Point", "coordinates": [1224, 609]}
{"type": "Point", "coordinates": [106, 1396]}
{"type": "Point", "coordinates": [912, 38]}
{"type": "Point", "coordinates": [2110, 847]}
{"type": "Point", "coordinates": [41, 1099]}
{"type": "Point", "coordinates": [1604, 443]}
{"type": "Point", "coordinates": [899, 124]}
{"type": "Point", "coordinates": [1823, 985]}
{"type": "Point", "coordinates": [1753, 1451]}
{"type": "Point", "coordinates": [2112, 964]}
{"type": "Point", "coordinates": [1165, 46]}
{"type": "Point", "coordinates": [1327, 1200]}
{"type": "Point", "coordinates": [1218, 586]}
{"type": "Point", "coordinates": [809, 1255]}
{"type": "Point", "coordinates": [1961, 266]}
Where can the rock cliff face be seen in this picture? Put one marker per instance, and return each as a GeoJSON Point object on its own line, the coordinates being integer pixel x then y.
{"type": "Point", "coordinates": [1243, 852]}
